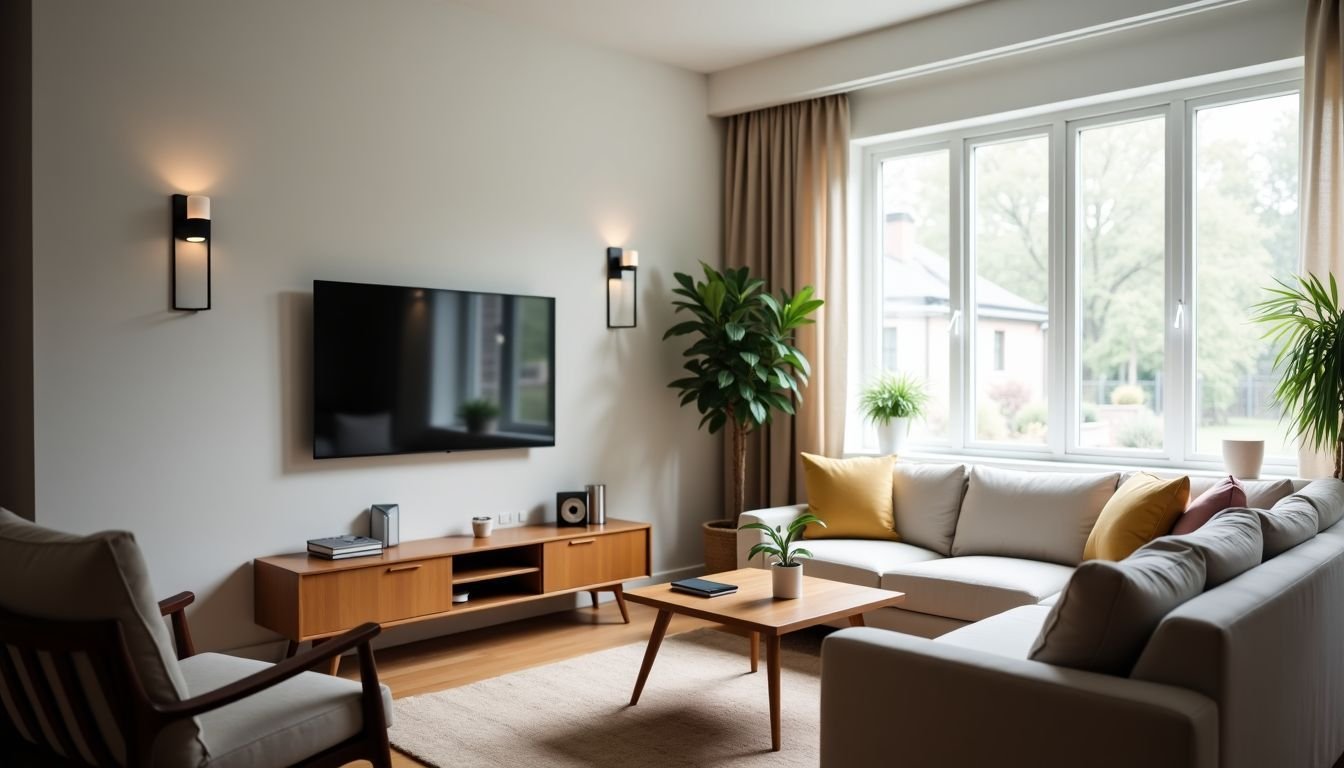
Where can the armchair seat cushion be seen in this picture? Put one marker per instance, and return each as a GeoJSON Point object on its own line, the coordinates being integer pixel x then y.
{"type": "Point", "coordinates": [860, 561]}
{"type": "Point", "coordinates": [281, 725]}
{"type": "Point", "coordinates": [975, 587]}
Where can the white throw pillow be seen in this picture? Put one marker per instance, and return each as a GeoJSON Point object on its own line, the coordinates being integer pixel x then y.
{"type": "Point", "coordinates": [927, 498]}
{"type": "Point", "coordinates": [1108, 611]}
{"type": "Point", "coordinates": [1035, 515]}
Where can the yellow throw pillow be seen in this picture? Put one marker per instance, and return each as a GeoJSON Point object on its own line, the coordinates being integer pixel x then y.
{"type": "Point", "coordinates": [852, 496]}
{"type": "Point", "coordinates": [1143, 508]}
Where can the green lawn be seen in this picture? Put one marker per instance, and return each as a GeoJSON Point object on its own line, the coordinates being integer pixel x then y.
{"type": "Point", "coordinates": [1275, 435]}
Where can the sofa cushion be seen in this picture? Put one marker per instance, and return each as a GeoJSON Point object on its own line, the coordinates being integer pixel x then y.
{"type": "Point", "coordinates": [851, 496]}
{"type": "Point", "coordinates": [1326, 495]}
{"type": "Point", "coordinates": [53, 575]}
{"type": "Point", "coordinates": [1034, 515]}
{"type": "Point", "coordinates": [1010, 633]}
{"type": "Point", "coordinates": [927, 498]}
{"type": "Point", "coordinates": [1290, 522]}
{"type": "Point", "coordinates": [1108, 611]}
{"type": "Point", "coordinates": [1143, 508]}
{"type": "Point", "coordinates": [1231, 543]}
{"type": "Point", "coordinates": [281, 725]}
{"type": "Point", "coordinates": [1224, 494]}
{"type": "Point", "coordinates": [861, 561]}
{"type": "Point", "coordinates": [974, 587]}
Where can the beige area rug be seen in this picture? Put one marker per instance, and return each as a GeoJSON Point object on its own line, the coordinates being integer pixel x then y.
{"type": "Point", "coordinates": [701, 706]}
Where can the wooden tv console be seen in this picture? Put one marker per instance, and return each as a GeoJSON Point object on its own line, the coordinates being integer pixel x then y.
{"type": "Point", "coordinates": [308, 598]}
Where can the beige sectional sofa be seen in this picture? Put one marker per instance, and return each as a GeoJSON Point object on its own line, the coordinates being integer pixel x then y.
{"type": "Point", "coordinates": [1247, 673]}
{"type": "Point", "coordinates": [975, 541]}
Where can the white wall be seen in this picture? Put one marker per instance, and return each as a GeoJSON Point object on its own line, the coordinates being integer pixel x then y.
{"type": "Point", "coordinates": [413, 143]}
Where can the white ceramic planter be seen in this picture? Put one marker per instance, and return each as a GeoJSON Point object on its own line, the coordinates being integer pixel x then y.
{"type": "Point", "coordinates": [891, 436]}
{"type": "Point", "coordinates": [1243, 458]}
{"type": "Point", "coordinates": [788, 581]}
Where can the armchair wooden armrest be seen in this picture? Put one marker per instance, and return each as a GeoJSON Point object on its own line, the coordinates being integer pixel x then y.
{"type": "Point", "coordinates": [175, 607]}
{"type": "Point", "coordinates": [295, 665]}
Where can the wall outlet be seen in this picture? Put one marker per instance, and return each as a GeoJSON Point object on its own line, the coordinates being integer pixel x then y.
{"type": "Point", "coordinates": [503, 518]}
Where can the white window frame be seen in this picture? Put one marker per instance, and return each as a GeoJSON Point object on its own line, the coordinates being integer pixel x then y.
{"type": "Point", "coordinates": [1178, 107]}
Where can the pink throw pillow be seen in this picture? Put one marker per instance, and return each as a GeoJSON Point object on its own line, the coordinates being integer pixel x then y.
{"type": "Point", "coordinates": [1226, 494]}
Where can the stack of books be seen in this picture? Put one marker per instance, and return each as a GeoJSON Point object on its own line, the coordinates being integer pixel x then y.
{"type": "Point", "coordinates": [703, 587]}
{"type": "Point", "coordinates": [341, 547]}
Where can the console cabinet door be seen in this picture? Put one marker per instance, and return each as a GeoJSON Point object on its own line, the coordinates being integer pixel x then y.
{"type": "Point", "coordinates": [341, 600]}
{"type": "Point", "coordinates": [587, 560]}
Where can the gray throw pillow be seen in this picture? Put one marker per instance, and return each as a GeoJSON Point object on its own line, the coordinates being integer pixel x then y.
{"type": "Point", "coordinates": [927, 499]}
{"type": "Point", "coordinates": [1289, 523]}
{"type": "Point", "coordinates": [1231, 543]}
{"type": "Point", "coordinates": [1108, 610]}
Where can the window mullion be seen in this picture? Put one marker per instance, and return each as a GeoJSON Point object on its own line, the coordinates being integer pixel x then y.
{"type": "Point", "coordinates": [960, 271]}
{"type": "Point", "coordinates": [1179, 365]}
{"type": "Point", "coordinates": [1059, 363]}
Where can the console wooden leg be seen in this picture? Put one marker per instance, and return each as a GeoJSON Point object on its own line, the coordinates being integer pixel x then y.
{"type": "Point", "coordinates": [593, 594]}
{"type": "Point", "coordinates": [334, 665]}
{"type": "Point", "coordinates": [754, 640]}
{"type": "Point", "coordinates": [291, 648]}
{"type": "Point", "coordinates": [772, 671]}
{"type": "Point", "coordinates": [857, 620]}
{"type": "Point", "coordinates": [620, 602]}
{"type": "Point", "coordinates": [650, 653]}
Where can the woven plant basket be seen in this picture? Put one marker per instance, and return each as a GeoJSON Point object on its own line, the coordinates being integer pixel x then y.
{"type": "Point", "coordinates": [720, 546]}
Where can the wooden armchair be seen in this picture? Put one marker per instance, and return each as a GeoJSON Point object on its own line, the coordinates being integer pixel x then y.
{"type": "Point", "coordinates": [90, 678]}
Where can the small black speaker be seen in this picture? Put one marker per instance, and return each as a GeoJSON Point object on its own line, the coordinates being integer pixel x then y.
{"type": "Point", "coordinates": [571, 508]}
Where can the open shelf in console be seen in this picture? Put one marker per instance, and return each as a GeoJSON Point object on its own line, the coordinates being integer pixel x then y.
{"type": "Point", "coordinates": [499, 571]}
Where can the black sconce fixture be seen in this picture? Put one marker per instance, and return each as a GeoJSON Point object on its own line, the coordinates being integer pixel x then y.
{"type": "Point", "coordinates": [622, 294]}
{"type": "Point", "coordinates": [191, 252]}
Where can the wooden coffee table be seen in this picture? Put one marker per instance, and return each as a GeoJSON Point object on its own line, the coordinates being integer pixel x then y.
{"type": "Point", "coordinates": [753, 611]}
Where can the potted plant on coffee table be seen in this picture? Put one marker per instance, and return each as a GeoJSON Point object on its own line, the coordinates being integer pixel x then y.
{"type": "Point", "coordinates": [743, 367]}
{"type": "Point", "coordinates": [890, 402]}
{"type": "Point", "coordinates": [787, 571]}
{"type": "Point", "coordinates": [1306, 319]}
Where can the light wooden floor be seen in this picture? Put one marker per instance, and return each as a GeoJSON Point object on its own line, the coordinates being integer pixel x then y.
{"type": "Point", "coordinates": [453, 660]}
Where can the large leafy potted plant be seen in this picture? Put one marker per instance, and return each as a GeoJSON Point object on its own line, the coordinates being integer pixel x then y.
{"type": "Point", "coordinates": [890, 402]}
{"type": "Point", "coordinates": [1305, 318]}
{"type": "Point", "coordinates": [743, 367]}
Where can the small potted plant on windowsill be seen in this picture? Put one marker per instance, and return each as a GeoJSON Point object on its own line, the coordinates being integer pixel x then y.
{"type": "Point", "coordinates": [890, 403]}
{"type": "Point", "coordinates": [787, 570]}
{"type": "Point", "coordinates": [481, 416]}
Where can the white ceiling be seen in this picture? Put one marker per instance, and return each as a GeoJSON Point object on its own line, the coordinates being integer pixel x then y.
{"type": "Point", "coordinates": [710, 35]}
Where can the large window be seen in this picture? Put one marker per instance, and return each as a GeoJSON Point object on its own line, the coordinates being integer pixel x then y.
{"type": "Point", "coordinates": [1111, 255]}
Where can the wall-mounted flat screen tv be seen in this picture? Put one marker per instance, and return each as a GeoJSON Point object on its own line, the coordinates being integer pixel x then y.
{"type": "Point", "coordinates": [415, 370]}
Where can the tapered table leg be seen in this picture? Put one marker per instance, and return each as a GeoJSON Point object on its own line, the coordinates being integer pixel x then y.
{"type": "Point", "coordinates": [754, 640]}
{"type": "Point", "coordinates": [857, 620]}
{"type": "Point", "coordinates": [650, 653]}
{"type": "Point", "coordinates": [772, 671]}
{"type": "Point", "coordinates": [620, 602]}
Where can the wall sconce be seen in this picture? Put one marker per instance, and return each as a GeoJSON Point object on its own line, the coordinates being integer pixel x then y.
{"type": "Point", "coordinates": [622, 293]}
{"type": "Point", "coordinates": [191, 252]}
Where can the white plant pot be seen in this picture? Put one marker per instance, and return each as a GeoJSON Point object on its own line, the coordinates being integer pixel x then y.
{"type": "Point", "coordinates": [788, 581]}
{"type": "Point", "coordinates": [1243, 458]}
{"type": "Point", "coordinates": [891, 436]}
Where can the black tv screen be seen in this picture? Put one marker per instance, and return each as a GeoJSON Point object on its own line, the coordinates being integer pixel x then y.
{"type": "Point", "coordinates": [413, 370]}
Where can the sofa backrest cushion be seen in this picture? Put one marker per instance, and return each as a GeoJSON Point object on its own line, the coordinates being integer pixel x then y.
{"type": "Point", "coordinates": [1289, 523]}
{"type": "Point", "coordinates": [1231, 543]}
{"type": "Point", "coordinates": [927, 498]}
{"type": "Point", "coordinates": [1143, 508]}
{"type": "Point", "coordinates": [1108, 610]}
{"type": "Point", "coordinates": [1326, 495]}
{"type": "Point", "coordinates": [851, 496]}
{"type": "Point", "coordinates": [1260, 494]}
{"type": "Point", "coordinates": [1036, 515]}
{"type": "Point", "coordinates": [1224, 494]}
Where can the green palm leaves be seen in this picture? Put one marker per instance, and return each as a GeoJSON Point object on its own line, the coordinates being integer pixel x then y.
{"type": "Point", "coordinates": [743, 365]}
{"type": "Point", "coordinates": [780, 543]}
{"type": "Point", "coordinates": [1307, 323]}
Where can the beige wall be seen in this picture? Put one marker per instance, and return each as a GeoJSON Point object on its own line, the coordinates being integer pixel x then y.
{"type": "Point", "coordinates": [16, 258]}
{"type": "Point", "coordinates": [413, 143]}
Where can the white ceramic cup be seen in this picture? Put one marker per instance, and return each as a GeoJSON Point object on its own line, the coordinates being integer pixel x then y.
{"type": "Point", "coordinates": [481, 526]}
{"type": "Point", "coordinates": [1243, 458]}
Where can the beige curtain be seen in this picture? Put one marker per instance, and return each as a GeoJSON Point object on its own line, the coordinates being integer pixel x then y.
{"type": "Point", "coordinates": [785, 178]}
{"type": "Point", "coordinates": [1322, 198]}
